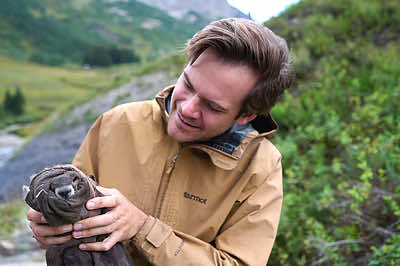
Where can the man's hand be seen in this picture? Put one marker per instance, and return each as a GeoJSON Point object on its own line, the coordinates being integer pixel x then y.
{"type": "Point", "coordinates": [122, 222]}
{"type": "Point", "coordinates": [45, 234]}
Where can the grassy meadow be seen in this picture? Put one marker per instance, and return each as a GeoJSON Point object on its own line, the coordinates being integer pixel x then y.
{"type": "Point", "coordinates": [50, 91]}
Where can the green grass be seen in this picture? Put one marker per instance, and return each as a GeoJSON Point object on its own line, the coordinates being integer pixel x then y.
{"type": "Point", "coordinates": [172, 64]}
{"type": "Point", "coordinates": [12, 215]}
{"type": "Point", "coordinates": [50, 91]}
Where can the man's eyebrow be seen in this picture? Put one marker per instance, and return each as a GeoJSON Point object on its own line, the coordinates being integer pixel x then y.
{"type": "Point", "coordinates": [187, 80]}
{"type": "Point", "coordinates": [216, 105]}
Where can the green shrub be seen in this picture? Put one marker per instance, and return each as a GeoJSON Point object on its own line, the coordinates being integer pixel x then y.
{"type": "Point", "coordinates": [340, 135]}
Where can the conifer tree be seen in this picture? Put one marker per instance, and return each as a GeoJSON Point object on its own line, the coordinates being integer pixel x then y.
{"type": "Point", "coordinates": [14, 103]}
{"type": "Point", "coordinates": [19, 102]}
{"type": "Point", "coordinates": [8, 101]}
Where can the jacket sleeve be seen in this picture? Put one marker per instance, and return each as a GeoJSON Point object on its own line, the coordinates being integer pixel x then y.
{"type": "Point", "coordinates": [246, 237]}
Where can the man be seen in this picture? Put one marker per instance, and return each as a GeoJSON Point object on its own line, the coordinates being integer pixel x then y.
{"type": "Point", "coordinates": [195, 179]}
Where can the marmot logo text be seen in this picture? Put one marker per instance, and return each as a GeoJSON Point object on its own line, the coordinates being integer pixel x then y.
{"type": "Point", "coordinates": [195, 198]}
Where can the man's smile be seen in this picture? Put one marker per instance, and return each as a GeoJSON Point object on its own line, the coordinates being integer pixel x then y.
{"type": "Point", "coordinates": [185, 122]}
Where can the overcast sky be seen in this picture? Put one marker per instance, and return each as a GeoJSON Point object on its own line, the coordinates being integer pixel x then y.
{"type": "Point", "coordinates": [261, 10]}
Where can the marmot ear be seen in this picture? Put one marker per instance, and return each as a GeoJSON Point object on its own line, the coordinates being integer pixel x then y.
{"type": "Point", "coordinates": [30, 200]}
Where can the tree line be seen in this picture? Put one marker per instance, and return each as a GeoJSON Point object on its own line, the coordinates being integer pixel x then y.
{"type": "Point", "coordinates": [107, 56]}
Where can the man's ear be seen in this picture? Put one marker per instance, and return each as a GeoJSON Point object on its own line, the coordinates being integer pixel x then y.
{"type": "Point", "coordinates": [245, 118]}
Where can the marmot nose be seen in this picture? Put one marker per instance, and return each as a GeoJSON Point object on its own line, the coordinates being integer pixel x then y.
{"type": "Point", "coordinates": [64, 192]}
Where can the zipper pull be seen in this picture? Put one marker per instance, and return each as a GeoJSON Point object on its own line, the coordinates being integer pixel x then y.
{"type": "Point", "coordinates": [171, 164]}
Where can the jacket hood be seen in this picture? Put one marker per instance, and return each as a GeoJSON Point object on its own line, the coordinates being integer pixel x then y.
{"type": "Point", "coordinates": [226, 155]}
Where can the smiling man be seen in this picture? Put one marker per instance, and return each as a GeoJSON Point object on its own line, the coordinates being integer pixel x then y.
{"type": "Point", "coordinates": [191, 177]}
{"type": "Point", "coordinates": [208, 97]}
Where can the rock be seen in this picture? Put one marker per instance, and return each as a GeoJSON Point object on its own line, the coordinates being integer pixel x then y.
{"type": "Point", "coordinates": [7, 248]}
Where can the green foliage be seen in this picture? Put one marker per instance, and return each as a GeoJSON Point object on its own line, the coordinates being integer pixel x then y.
{"type": "Point", "coordinates": [340, 134]}
{"type": "Point", "coordinates": [387, 254]}
{"type": "Point", "coordinates": [104, 56]}
{"type": "Point", "coordinates": [97, 56]}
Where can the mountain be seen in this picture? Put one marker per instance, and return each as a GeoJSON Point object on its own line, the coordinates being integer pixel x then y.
{"type": "Point", "coordinates": [193, 10]}
{"type": "Point", "coordinates": [340, 134]}
{"type": "Point", "coordinates": [55, 32]}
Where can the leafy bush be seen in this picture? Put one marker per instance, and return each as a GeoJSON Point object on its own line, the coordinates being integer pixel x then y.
{"type": "Point", "coordinates": [340, 134]}
{"type": "Point", "coordinates": [387, 254]}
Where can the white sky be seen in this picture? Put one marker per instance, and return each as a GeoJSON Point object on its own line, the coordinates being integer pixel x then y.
{"type": "Point", "coordinates": [261, 10]}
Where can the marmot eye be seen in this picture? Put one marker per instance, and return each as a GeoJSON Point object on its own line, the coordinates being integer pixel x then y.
{"type": "Point", "coordinates": [75, 182]}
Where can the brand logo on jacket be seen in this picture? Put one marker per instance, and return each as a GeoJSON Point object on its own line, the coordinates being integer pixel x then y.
{"type": "Point", "coordinates": [195, 198]}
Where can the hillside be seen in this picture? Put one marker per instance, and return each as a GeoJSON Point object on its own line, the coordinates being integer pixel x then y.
{"type": "Point", "coordinates": [340, 134]}
{"type": "Point", "coordinates": [57, 32]}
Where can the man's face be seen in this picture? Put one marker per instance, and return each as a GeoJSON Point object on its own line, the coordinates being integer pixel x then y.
{"type": "Point", "coordinates": [208, 97]}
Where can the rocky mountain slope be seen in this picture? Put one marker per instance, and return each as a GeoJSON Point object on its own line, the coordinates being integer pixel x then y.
{"type": "Point", "coordinates": [211, 9]}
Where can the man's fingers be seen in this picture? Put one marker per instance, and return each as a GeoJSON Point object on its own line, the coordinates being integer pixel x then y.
{"type": "Point", "coordinates": [95, 221]}
{"type": "Point", "coordinates": [105, 245]}
{"type": "Point", "coordinates": [101, 202]}
{"type": "Point", "coordinates": [45, 242]}
{"type": "Point", "coordinates": [35, 216]}
{"type": "Point", "coordinates": [106, 191]}
{"type": "Point", "coordinates": [94, 231]}
{"type": "Point", "coordinates": [49, 231]}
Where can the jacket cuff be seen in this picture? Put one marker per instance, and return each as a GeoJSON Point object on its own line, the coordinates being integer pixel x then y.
{"type": "Point", "coordinates": [138, 239]}
{"type": "Point", "coordinates": [151, 235]}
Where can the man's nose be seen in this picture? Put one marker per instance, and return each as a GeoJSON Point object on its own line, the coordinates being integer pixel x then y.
{"type": "Point", "coordinates": [190, 108]}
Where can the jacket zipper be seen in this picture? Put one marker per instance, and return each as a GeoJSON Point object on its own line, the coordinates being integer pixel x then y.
{"type": "Point", "coordinates": [170, 168]}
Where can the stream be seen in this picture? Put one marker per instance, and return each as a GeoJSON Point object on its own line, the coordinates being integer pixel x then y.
{"type": "Point", "coordinates": [9, 144]}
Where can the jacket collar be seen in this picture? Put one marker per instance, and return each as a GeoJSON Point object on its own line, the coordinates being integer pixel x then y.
{"type": "Point", "coordinates": [226, 149]}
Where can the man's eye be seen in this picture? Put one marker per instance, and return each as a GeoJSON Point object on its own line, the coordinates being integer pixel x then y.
{"type": "Point", "coordinates": [213, 109]}
{"type": "Point", "coordinates": [187, 86]}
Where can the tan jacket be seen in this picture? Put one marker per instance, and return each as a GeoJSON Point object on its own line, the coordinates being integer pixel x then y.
{"type": "Point", "coordinates": [206, 207]}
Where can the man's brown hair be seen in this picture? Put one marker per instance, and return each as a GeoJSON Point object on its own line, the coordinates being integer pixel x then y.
{"type": "Point", "coordinates": [242, 41]}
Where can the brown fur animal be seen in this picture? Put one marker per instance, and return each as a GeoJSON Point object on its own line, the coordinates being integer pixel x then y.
{"type": "Point", "coordinates": [60, 194]}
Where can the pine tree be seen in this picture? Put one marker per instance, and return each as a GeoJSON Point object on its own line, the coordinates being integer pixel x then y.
{"type": "Point", "coordinates": [19, 102]}
{"type": "Point", "coordinates": [14, 103]}
{"type": "Point", "coordinates": [8, 101]}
